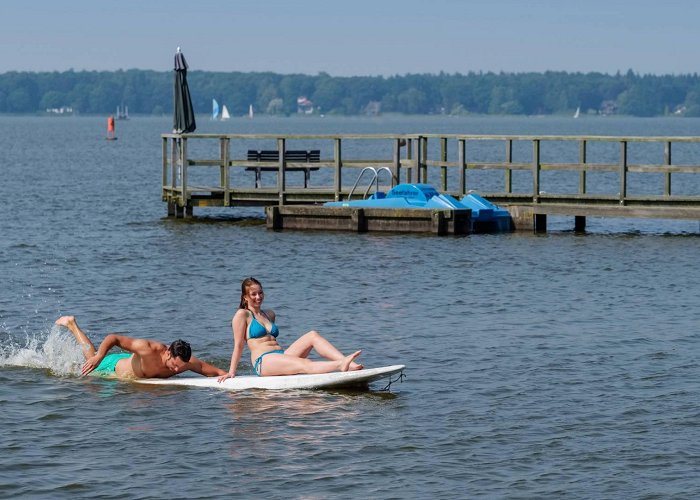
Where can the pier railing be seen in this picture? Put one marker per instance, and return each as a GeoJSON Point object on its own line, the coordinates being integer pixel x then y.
{"type": "Point", "coordinates": [574, 175]}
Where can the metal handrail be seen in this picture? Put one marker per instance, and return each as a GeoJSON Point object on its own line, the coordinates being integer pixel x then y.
{"type": "Point", "coordinates": [375, 179]}
{"type": "Point", "coordinates": [357, 181]}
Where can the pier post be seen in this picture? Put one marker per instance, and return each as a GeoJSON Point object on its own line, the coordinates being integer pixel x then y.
{"type": "Point", "coordinates": [667, 175]}
{"type": "Point", "coordinates": [509, 161]}
{"type": "Point", "coordinates": [165, 161]}
{"type": "Point", "coordinates": [281, 174]}
{"type": "Point", "coordinates": [184, 163]}
{"type": "Point", "coordinates": [396, 167]}
{"type": "Point", "coordinates": [462, 160]}
{"type": "Point", "coordinates": [338, 167]}
{"type": "Point", "coordinates": [359, 221]}
{"type": "Point", "coordinates": [274, 218]}
{"type": "Point", "coordinates": [423, 161]}
{"type": "Point", "coordinates": [623, 172]}
{"type": "Point", "coordinates": [536, 167]}
{"type": "Point", "coordinates": [443, 159]}
{"type": "Point", "coordinates": [582, 162]}
{"type": "Point", "coordinates": [409, 157]}
{"type": "Point", "coordinates": [225, 181]}
{"type": "Point", "coordinates": [173, 165]}
{"type": "Point", "coordinates": [540, 223]}
{"type": "Point", "coordinates": [416, 162]}
{"type": "Point", "coordinates": [438, 223]}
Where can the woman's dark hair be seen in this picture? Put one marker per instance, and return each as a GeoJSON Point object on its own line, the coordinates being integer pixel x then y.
{"type": "Point", "coordinates": [247, 283]}
{"type": "Point", "coordinates": [181, 349]}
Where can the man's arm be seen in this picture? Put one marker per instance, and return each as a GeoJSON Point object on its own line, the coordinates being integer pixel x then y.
{"type": "Point", "coordinates": [204, 368]}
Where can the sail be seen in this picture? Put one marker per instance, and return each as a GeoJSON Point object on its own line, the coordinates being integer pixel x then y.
{"type": "Point", "coordinates": [224, 113]}
{"type": "Point", "coordinates": [215, 109]}
{"type": "Point", "coordinates": [578, 112]}
{"type": "Point", "coordinates": [250, 111]}
{"type": "Point", "coordinates": [122, 112]}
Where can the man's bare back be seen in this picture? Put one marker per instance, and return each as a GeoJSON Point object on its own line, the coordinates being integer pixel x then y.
{"type": "Point", "coordinates": [148, 358]}
{"type": "Point", "coordinates": [144, 366]}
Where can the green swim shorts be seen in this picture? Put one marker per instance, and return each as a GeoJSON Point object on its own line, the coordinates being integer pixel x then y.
{"type": "Point", "coordinates": [109, 363]}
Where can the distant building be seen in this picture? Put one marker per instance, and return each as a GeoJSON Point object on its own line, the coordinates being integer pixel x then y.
{"type": "Point", "coordinates": [63, 110]}
{"type": "Point", "coordinates": [373, 108]}
{"type": "Point", "coordinates": [608, 108]}
{"type": "Point", "coordinates": [304, 106]}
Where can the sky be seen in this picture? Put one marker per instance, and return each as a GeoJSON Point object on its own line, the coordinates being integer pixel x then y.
{"type": "Point", "coordinates": [353, 38]}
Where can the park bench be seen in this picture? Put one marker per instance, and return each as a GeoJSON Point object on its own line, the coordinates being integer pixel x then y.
{"type": "Point", "coordinates": [292, 156]}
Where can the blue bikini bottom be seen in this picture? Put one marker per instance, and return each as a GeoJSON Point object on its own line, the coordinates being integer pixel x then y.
{"type": "Point", "coordinates": [257, 366]}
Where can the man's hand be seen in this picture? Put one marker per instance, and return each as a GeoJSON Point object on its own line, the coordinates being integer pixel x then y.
{"type": "Point", "coordinates": [91, 364]}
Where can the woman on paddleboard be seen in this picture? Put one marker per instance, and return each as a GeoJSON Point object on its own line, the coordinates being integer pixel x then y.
{"type": "Point", "coordinates": [257, 328]}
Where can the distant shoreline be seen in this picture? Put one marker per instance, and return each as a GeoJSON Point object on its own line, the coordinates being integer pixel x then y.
{"type": "Point", "coordinates": [205, 116]}
{"type": "Point", "coordinates": [148, 92]}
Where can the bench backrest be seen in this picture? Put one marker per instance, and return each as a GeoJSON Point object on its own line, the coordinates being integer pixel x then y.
{"type": "Point", "coordinates": [305, 156]}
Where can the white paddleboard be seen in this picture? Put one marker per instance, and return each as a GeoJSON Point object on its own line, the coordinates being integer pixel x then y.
{"type": "Point", "coordinates": [318, 381]}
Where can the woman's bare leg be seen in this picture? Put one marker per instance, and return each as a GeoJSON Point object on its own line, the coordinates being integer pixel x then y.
{"type": "Point", "coordinates": [282, 364]}
{"type": "Point", "coordinates": [83, 340]}
{"type": "Point", "coordinates": [302, 347]}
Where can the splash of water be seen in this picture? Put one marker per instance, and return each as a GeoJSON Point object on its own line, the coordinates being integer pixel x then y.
{"type": "Point", "coordinates": [56, 351]}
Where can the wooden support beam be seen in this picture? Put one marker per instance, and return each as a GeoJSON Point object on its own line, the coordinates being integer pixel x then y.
{"type": "Point", "coordinates": [439, 226]}
{"type": "Point", "coordinates": [462, 162]}
{"type": "Point", "coordinates": [540, 223]}
{"type": "Point", "coordinates": [536, 169]}
{"type": "Point", "coordinates": [282, 173]}
{"type": "Point", "coordinates": [667, 175]}
{"type": "Point", "coordinates": [582, 161]}
{"type": "Point", "coordinates": [359, 221]}
{"type": "Point", "coordinates": [509, 161]}
{"type": "Point", "coordinates": [338, 167]}
{"type": "Point", "coordinates": [443, 159]}
{"type": "Point", "coordinates": [623, 172]}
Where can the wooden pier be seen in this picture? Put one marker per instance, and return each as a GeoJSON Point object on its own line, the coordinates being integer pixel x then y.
{"type": "Point", "coordinates": [531, 176]}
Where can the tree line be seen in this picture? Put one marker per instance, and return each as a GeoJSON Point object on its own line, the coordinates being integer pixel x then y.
{"type": "Point", "coordinates": [150, 92]}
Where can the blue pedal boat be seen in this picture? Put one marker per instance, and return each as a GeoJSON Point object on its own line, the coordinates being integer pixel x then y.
{"type": "Point", "coordinates": [486, 216]}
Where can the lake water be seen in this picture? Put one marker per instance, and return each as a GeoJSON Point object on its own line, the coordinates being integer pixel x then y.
{"type": "Point", "coordinates": [556, 365]}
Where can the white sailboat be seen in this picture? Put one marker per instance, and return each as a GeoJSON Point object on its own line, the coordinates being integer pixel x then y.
{"type": "Point", "coordinates": [215, 109]}
{"type": "Point", "coordinates": [122, 112]}
{"type": "Point", "coordinates": [250, 111]}
{"type": "Point", "coordinates": [224, 113]}
{"type": "Point", "coordinates": [578, 111]}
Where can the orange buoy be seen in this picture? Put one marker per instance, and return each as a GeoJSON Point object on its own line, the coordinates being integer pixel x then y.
{"type": "Point", "coordinates": [110, 129]}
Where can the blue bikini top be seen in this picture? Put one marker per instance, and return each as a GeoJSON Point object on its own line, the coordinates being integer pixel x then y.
{"type": "Point", "coordinates": [256, 330]}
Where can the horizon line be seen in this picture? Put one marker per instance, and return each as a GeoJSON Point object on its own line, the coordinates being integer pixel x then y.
{"type": "Point", "coordinates": [319, 73]}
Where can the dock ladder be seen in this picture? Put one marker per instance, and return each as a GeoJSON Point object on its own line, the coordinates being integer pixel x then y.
{"type": "Point", "coordinates": [374, 179]}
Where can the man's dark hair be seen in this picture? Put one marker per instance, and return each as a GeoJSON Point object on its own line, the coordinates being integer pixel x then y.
{"type": "Point", "coordinates": [181, 349]}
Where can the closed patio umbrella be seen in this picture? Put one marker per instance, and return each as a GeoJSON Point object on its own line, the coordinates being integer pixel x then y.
{"type": "Point", "coordinates": [183, 114]}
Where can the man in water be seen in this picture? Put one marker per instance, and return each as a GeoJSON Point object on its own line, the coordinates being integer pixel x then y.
{"type": "Point", "coordinates": [144, 359]}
